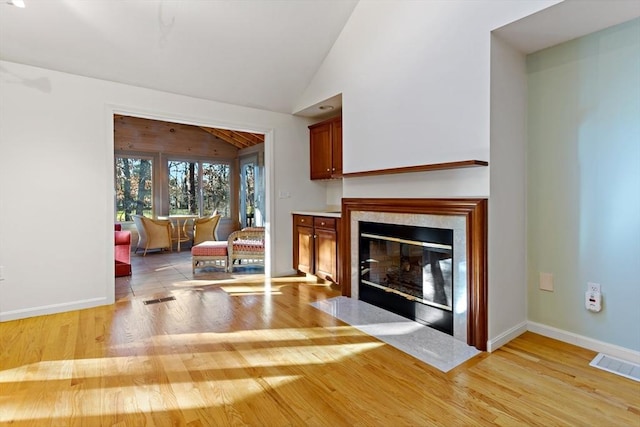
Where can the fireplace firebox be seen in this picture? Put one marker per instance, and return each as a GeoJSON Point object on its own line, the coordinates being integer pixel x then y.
{"type": "Point", "coordinates": [408, 270]}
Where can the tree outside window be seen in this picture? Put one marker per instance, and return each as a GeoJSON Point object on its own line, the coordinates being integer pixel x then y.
{"type": "Point", "coordinates": [198, 188]}
{"type": "Point", "coordinates": [133, 188]}
{"type": "Point", "coordinates": [182, 188]}
{"type": "Point", "coordinates": [216, 188]}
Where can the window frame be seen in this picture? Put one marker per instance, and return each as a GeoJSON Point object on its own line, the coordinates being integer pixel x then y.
{"type": "Point", "coordinates": [136, 156]}
{"type": "Point", "coordinates": [199, 175]}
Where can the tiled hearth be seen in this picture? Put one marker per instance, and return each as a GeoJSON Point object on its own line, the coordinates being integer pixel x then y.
{"type": "Point", "coordinates": [433, 347]}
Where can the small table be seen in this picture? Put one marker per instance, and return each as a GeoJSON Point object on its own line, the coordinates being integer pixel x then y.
{"type": "Point", "coordinates": [179, 223]}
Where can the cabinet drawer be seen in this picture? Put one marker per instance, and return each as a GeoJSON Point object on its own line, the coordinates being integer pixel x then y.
{"type": "Point", "coordinates": [303, 220]}
{"type": "Point", "coordinates": [324, 222]}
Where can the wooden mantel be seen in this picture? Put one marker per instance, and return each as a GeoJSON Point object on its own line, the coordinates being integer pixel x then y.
{"type": "Point", "coordinates": [419, 168]}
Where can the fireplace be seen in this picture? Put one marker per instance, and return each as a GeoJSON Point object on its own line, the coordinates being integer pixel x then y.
{"type": "Point", "coordinates": [408, 270]}
{"type": "Point", "coordinates": [424, 259]}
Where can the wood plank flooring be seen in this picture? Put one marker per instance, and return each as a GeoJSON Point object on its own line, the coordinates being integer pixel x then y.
{"type": "Point", "coordinates": [258, 354]}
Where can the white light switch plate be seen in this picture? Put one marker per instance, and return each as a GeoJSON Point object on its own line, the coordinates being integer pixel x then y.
{"type": "Point", "coordinates": [546, 282]}
{"type": "Point", "coordinates": [593, 287]}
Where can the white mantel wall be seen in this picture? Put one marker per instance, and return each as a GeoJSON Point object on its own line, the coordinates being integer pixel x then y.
{"type": "Point", "coordinates": [415, 84]}
{"type": "Point", "coordinates": [56, 181]}
{"type": "Point", "coordinates": [414, 78]}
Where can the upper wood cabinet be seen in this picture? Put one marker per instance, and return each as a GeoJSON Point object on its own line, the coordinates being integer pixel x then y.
{"type": "Point", "coordinates": [326, 149]}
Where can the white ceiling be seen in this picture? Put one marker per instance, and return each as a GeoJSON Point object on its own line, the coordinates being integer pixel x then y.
{"type": "Point", "coordinates": [256, 53]}
{"type": "Point", "coordinates": [565, 21]}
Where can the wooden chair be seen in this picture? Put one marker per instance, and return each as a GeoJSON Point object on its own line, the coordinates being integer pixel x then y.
{"type": "Point", "coordinates": [205, 229]}
{"type": "Point", "coordinates": [246, 246]}
{"type": "Point", "coordinates": [152, 233]}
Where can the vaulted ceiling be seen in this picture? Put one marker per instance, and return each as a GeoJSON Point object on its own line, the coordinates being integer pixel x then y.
{"type": "Point", "coordinates": [254, 53]}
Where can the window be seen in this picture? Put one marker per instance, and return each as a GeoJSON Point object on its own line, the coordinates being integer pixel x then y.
{"type": "Point", "coordinates": [216, 188]}
{"type": "Point", "coordinates": [199, 188]}
{"type": "Point", "coordinates": [251, 191]}
{"type": "Point", "coordinates": [134, 186]}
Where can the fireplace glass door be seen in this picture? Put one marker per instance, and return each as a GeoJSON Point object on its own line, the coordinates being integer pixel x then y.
{"type": "Point", "coordinates": [408, 270]}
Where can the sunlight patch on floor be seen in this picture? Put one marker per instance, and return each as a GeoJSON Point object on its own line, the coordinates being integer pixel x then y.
{"type": "Point", "coordinates": [291, 346]}
{"type": "Point", "coordinates": [91, 400]}
{"type": "Point", "coordinates": [187, 392]}
{"type": "Point", "coordinates": [243, 290]}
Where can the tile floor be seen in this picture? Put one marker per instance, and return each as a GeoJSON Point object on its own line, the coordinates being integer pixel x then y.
{"type": "Point", "coordinates": [162, 272]}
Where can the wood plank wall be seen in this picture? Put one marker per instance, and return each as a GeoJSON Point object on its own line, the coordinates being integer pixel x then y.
{"type": "Point", "coordinates": [137, 135]}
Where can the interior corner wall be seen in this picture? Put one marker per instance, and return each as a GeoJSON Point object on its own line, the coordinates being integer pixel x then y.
{"type": "Point", "coordinates": [583, 181]}
{"type": "Point", "coordinates": [507, 203]}
{"type": "Point", "coordinates": [56, 181]}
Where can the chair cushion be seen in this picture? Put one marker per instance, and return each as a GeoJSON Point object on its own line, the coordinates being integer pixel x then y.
{"type": "Point", "coordinates": [248, 246]}
{"type": "Point", "coordinates": [122, 253]}
{"type": "Point", "coordinates": [253, 229]}
{"type": "Point", "coordinates": [122, 237]}
{"type": "Point", "coordinates": [210, 248]}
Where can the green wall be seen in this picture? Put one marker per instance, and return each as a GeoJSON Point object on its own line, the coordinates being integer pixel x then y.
{"type": "Point", "coordinates": [583, 183]}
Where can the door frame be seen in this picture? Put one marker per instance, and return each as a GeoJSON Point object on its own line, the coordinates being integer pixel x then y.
{"type": "Point", "coordinates": [269, 182]}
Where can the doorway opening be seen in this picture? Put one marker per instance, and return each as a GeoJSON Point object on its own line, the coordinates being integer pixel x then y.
{"type": "Point", "coordinates": [218, 167]}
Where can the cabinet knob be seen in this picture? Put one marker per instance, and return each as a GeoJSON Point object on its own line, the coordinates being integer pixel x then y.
{"type": "Point", "coordinates": [322, 223]}
{"type": "Point", "coordinates": [327, 170]}
{"type": "Point", "coordinates": [315, 236]}
{"type": "Point", "coordinates": [302, 220]}
{"type": "Point", "coordinates": [333, 169]}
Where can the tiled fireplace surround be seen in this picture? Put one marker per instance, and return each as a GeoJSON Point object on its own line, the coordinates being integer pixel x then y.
{"type": "Point", "coordinates": [468, 220]}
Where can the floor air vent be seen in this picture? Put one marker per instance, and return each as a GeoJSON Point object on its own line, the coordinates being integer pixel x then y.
{"type": "Point", "coordinates": [620, 367]}
{"type": "Point", "coordinates": [155, 301]}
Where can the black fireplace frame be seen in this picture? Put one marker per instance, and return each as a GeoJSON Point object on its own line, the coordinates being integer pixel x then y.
{"type": "Point", "coordinates": [440, 318]}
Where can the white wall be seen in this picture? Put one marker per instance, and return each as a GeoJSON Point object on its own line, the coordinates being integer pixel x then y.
{"type": "Point", "coordinates": [56, 181]}
{"type": "Point", "coordinates": [583, 167]}
{"type": "Point", "coordinates": [507, 204]}
{"type": "Point", "coordinates": [414, 78]}
{"type": "Point", "coordinates": [415, 84]}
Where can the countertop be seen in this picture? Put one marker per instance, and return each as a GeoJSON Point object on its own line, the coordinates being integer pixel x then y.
{"type": "Point", "coordinates": [332, 214]}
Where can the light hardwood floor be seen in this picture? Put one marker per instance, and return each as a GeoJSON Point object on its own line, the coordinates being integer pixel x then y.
{"type": "Point", "coordinates": [250, 353]}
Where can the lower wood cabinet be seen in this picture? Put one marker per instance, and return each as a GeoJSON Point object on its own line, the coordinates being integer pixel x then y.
{"type": "Point", "coordinates": [315, 246]}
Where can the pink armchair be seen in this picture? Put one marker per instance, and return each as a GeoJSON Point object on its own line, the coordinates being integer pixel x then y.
{"type": "Point", "coordinates": [122, 251]}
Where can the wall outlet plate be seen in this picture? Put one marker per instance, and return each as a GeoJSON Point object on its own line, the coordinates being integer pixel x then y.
{"type": "Point", "coordinates": [593, 301]}
{"type": "Point", "coordinates": [546, 282]}
{"type": "Point", "coordinates": [593, 287]}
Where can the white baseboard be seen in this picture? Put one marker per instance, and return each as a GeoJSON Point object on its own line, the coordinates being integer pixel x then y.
{"type": "Point", "coordinates": [52, 309]}
{"type": "Point", "coordinates": [285, 273]}
{"type": "Point", "coordinates": [585, 342]}
{"type": "Point", "coordinates": [505, 337]}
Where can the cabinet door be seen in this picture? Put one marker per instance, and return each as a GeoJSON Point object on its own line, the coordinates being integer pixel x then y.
{"type": "Point", "coordinates": [326, 246]}
{"type": "Point", "coordinates": [303, 241]}
{"type": "Point", "coordinates": [320, 151]}
{"type": "Point", "coordinates": [336, 148]}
